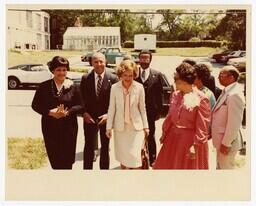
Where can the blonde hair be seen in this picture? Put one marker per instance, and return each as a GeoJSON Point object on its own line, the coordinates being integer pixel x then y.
{"type": "Point", "coordinates": [127, 65]}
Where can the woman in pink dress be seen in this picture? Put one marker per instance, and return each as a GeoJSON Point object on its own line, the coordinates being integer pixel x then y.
{"type": "Point", "coordinates": [186, 127]}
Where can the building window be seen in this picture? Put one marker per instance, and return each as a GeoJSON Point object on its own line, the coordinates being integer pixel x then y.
{"type": "Point", "coordinates": [29, 18]}
{"type": "Point", "coordinates": [47, 42]}
{"type": "Point", "coordinates": [38, 22]}
{"type": "Point", "coordinates": [39, 41]}
{"type": "Point", "coordinates": [46, 25]}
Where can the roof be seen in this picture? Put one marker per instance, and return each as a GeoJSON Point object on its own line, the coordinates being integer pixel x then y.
{"type": "Point", "coordinates": [92, 31]}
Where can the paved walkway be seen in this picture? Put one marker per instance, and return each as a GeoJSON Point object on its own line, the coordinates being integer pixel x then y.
{"type": "Point", "coordinates": [115, 165]}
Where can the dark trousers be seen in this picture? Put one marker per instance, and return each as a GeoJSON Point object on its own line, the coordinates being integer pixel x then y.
{"type": "Point", "coordinates": [151, 140]}
{"type": "Point", "coordinates": [90, 134]}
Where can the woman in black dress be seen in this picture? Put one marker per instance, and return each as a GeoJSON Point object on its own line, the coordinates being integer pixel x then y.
{"type": "Point", "coordinates": [58, 101]}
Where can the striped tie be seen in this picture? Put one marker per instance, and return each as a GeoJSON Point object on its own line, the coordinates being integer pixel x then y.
{"type": "Point", "coordinates": [99, 85]}
{"type": "Point", "coordinates": [143, 76]}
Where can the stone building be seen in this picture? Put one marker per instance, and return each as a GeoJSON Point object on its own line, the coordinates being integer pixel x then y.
{"type": "Point", "coordinates": [28, 30]}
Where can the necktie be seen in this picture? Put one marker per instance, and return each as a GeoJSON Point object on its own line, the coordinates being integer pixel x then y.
{"type": "Point", "coordinates": [99, 85]}
{"type": "Point", "coordinates": [127, 107]}
{"type": "Point", "coordinates": [143, 75]}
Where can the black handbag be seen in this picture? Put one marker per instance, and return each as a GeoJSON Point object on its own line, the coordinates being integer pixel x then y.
{"type": "Point", "coordinates": [145, 155]}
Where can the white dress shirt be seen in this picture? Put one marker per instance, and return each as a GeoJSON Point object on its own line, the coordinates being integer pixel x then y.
{"type": "Point", "coordinates": [147, 72]}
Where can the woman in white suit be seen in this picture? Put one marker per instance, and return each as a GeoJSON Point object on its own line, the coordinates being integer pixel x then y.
{"type": "Point", "coordinates": [127, 116]}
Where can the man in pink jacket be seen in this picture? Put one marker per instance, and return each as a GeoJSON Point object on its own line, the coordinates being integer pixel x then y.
{"type": "Point", "coordinates": [227, 117]}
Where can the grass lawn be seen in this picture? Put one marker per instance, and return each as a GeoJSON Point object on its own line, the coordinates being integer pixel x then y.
{"type": "Point", "coordinates": [26, 153]}
{"type": "Point", "coordinates": [38, 57]}
{"type": "Point", "coordinates": [31, 57]}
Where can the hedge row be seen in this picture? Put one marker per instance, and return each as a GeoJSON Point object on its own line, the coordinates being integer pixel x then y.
{"type": "Point", "coordinates": [165, 44]}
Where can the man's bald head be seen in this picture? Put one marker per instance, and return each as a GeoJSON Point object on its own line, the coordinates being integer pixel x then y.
{"type": "Point", "coordinates": [98, 55]}
{"type": "Point", "coordinates": [232, 70]}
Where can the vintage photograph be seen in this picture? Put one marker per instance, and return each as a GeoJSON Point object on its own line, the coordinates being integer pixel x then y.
{"type": "Point", "coordinates": [158, 91]}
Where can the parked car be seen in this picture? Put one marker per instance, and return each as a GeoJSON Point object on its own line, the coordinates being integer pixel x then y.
{"type": "Point", "coordinates": [239, 63]}
{"type": "Point", "coordinates": [111, 53]}
{"type": "Point", "coordinates": [168, 90]}
{"type": "Point", "coordinates": [88, 56]}
{"type": "Point", "coordinates": [234, 54]}
{"type": "Point", "coordinates": [218, 57]}
{"type": "Point", "coordinates": [33, 75]}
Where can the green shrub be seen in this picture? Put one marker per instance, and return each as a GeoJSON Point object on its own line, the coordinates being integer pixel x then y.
{"type": "Point", "coordinates": [167, 44]}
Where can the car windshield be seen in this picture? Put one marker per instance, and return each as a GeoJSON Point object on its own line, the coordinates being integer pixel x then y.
{"type": "Point", "coordinates": [38, 68]}
{"type": "Point", "coordinates": [243, 54]}
{"type": "Point", "coordinates": [25, 67]}
{"type": "Point", "coordinates": [232, 53]}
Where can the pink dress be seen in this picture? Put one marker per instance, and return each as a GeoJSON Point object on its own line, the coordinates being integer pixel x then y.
{"type": "Point", "coordinates": [182, 128]}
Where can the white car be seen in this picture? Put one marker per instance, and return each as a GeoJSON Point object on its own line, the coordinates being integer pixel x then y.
{"type": "Point", "coordinates": [33, 74]}
{"type": "Point", "coordinates": [239, 63]}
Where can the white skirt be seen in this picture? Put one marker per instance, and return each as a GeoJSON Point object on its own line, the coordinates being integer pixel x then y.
{"type": "Point", "coordinates": [128, 145]}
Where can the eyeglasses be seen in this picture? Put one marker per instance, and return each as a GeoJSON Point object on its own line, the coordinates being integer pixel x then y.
{"type": "Point", "coordinates": [224, 74]}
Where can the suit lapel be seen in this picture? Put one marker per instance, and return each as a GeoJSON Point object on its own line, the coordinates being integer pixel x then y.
{"type": "Point", "coordinates": [151, 78]}
{"type": "Point", "coordinates": [220, 102]}
{"type": "Point", "coordinates": [120, 96]}
{"type": "Point", "coordinates": [223, 98]}
{"type": "Point", "coordinates": [92, 83]}
{"type": "Point", "coordinates": [105, 83]}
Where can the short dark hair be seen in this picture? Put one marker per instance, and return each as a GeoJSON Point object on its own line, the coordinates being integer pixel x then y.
{"type": "Point", "coordinates": [146, 52]}
{"type": "Point", "coordinates": [186, 72]}
{"type": "Point", "coordinates": [202, 72]}
{"type": "Point", "coordinates": [189, 61]}
{"type": "Point", "coordinates": [58, 61]}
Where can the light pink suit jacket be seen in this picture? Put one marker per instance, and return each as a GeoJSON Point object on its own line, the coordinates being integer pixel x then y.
{"type": "Point", "coordinates": [227, 117]}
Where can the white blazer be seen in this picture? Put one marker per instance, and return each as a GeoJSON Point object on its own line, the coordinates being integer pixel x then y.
{"type": "Point", "coordinates": [138, 115]}
{"type": "Point", "coordinates": [227, 117]}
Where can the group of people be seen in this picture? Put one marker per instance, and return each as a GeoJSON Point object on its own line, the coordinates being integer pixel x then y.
{"type": "Point", "coordinates": [125, 106]}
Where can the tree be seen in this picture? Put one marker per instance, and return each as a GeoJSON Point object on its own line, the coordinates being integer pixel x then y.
{"type": "Point", "coordinates": [170, 22]}
{"type": "Point", "coordinates": [232, 28]}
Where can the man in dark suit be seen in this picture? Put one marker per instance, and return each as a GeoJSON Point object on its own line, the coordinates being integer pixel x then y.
{"type": "Point", "coordinates": [153, 85]}
{"type": "Point", "coordinates": [95, 89]}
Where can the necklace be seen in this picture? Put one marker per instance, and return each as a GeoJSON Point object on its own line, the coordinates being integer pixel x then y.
{"type": "Point", "coordinates": [59, 93]}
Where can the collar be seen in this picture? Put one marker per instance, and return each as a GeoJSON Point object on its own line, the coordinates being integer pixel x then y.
{"type": "Point", "coordinates": [119, 83]}
{"type": "Point", "coordinates": [227, 88]}
{"type": "Point", "coordinates": [59, 88]}
{"type": "Point", "coordinates": [146, 70]}
{"type": "Point", "coordinates": [96, 75]}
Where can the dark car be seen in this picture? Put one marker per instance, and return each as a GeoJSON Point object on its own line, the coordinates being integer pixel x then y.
{"type": "Point", "coordinates": [219, 56]}
{"type": "Point", "coordinates": [168, 90]}
{"type": "Point", "coordinates": [234, 54]}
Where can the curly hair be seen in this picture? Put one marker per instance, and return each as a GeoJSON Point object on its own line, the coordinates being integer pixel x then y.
{"type": "Point", "coordinates": [202, 72]}
{"type": "Point", "coordinates": [186, 72]}
{"type": "Point", "coordinates": [127, 65]}
{"type": "Point", "coordinates": [58, 61]}
{"type": "Point", "coordinates": [189, 61]}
